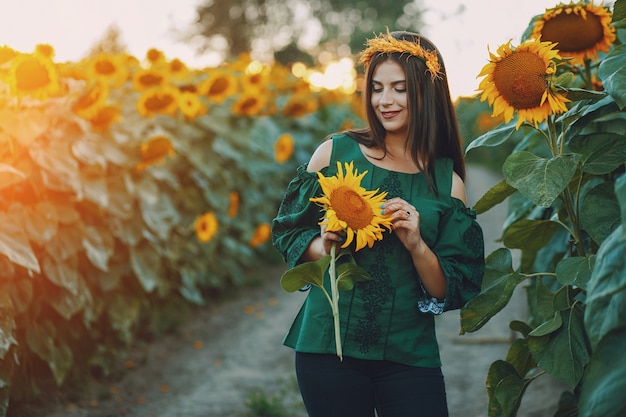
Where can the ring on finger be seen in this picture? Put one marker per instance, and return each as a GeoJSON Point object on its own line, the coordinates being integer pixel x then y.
{"type": "Point", "coordinates": [408, 213]}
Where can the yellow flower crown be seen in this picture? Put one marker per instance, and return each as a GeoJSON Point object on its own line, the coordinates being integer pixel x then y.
{"type": "Point", "coordinates": [387, 44]}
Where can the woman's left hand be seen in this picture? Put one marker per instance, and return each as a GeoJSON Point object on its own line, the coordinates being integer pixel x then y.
{"type": "Point", "coordinates": [406, 223]}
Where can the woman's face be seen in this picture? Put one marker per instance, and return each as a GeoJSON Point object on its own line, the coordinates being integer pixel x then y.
{"type": "Point", "coordinates": [389, 97]}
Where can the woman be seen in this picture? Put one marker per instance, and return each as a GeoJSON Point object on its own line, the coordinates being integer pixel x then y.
{"type": "Point", "coordinates": [431, 262]}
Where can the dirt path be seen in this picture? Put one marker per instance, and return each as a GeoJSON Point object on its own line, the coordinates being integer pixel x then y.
{"type": "Point", "coordinates": [229, 350]}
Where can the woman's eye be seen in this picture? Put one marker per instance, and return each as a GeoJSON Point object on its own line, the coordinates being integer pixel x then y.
{"type": "Point", "coordinates": [377, 90]}
{"type": "Point", "coordinates": [401, 90]}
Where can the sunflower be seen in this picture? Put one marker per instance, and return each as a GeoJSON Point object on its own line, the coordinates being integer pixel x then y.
{"type": "Point", "coordinates": [206, 227]}
{"type": "Point", "coordinates": [158, 100]}
{"type": "Point", "coordinates": [249, 104]}
{"type": "Point", "coordinates": [92, 100]}
{"type": "Point", "coordinates": [218, 86]}
{"type": "Point", "coordinates": [105, 117]}
{"type": "Point", "coordinates": [190, 105]}
{"type": "Point", "coordinates": [299, 105]}
{"type": "Point", "coordinates": [177, 68]}
{"type": "Point", "coordinates": [352, 208]}
{"type": "Point", "coordinates": [110, 67]}
{"type": "Point", "coordinates": [283, 148]}
{"type": "Point", "coordinates": [7, 54]}
{"type": "Point", "coordinates": [261, 235]}
{"type": "Point", "coordinates": [148, 78]}
{"type": "Point", "coordinates": [155, 56]}
{"type": "Point", "coordinates": [520, 79]}
{"type": "Point", "coordinates": [580, 30]}
{"type": "Point", "coordinates": [154, 151]}
{"type": "Point", "coordinates": [34, 75]}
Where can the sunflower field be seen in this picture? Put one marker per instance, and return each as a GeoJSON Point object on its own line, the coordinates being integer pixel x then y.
{"type": "Point", "coordinates": [129, 188]}
{"type": "Point", "coordinates": [561, 97]}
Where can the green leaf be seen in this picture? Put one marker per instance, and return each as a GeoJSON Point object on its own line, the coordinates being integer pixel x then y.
{"type": "Point", "coordinates": [601, 152]}
{"type": "Point", "coordinates": [519, 356]}
{"type": "Point", "coordinates": [499, 283]}
{"type": "Point", "coordinates": [530, 235]}
{"type": "Point", "coordinates": [7, 325]}
{"type": "Point", "coordinates": [42, 339]}
{"type": "Point", "coordinates": [619, 11]}
{"type": "Point", "coordinates": [549, 326]}
{"type": "Point", "coordinates": [147, 266]}
{"type": "Point", "coordinates": [14, 245]}
{"type": "Point", "coordinates": [600, 212]}
{"type": "Point", "coordinates": [612, 72]}
{"type": "Point", "coordinates": [505, 389]}
{"type": "Point", "coordinates": [620, 192]}
{"type": "Point", "coordinates": [305, 273]}
{"type": "Point", "coordinates": [99, 246]}
{"type": "Point", "coordinates": [606, 290]}
{"type": "Point", "coordinates": [575, 271]}
{"type": "Point", "coordinates": [348, 273]}
{"type": "Point", "coordinates": [563, 353]}
{"type": "Point", "coordinates": [540, 180]}
{"type": "Point", "coordinates": [494, 196]}
{"type": "Point", "coordinates": [578, 94]}
{"type": "Point", "coordinates": [604, 382]}
{"type": "Point", "coordinates": [62, 272]}
{"type": "Point", "coordinates": [540, 303]}
{"type": "Point", "coordinates": [494, 137]}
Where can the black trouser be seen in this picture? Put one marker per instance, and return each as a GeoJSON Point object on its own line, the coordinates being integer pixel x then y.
{"type": "Point", "coordinates": [356, 387]}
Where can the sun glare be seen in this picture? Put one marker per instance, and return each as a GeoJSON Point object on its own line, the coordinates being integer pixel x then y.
{"type": "Point", "coordinates": [337, 75]}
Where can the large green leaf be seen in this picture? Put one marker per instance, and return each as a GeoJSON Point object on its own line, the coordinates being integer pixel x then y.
{"type": "Point", "coordinates": [540, 180]}
{"type": "Point", "coordinates": [620, 192]}
{"type": "Point", "coordinates": [14, 245]}
{"type": "Point", "coordinates": [519, 356]}
{"type": "Point", "coordinates": [348, 273]}
{"type": "Point", "coordinates": [494, 137]}
{"type": "Point", "coordinates": [531, 235]}
{"type": "Point", "coordinates": [600, 212]}
{"type": "Point", "coordinates": [494, 196]}
{"type": "Point", "coordinates": [612, 72]}
{"type": "Point", "coordinates": [499, 283]}
{"type": "Point", "coordinates": [563, 353]}
{"type": "Point", "coordinates": [505, 389]}
{"type": "Point", "coordinates": [575, 271]}
{"type": "Point", "coordinates": [601, 152]}
{"type": "Point", "coordinates": [7, 324]}
{"type": "Point", "coordinates": [62, 272]}
{"type": "Point", "coordinates": [604, 382]}
{"type": "Point", "coordinates": [147, 265]}
{"type": "Point", "coordinates": [305, 273]}
{"type": "Point", "coordinates": [99, 246]}
{"type": "Point", "coordinates": [606, 290]}
{"type": "Point", "coordinates": [41, 338]}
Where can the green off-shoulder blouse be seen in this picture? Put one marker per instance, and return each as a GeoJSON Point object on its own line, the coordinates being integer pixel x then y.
{"type": "Point", "coordinates": [389, 317]}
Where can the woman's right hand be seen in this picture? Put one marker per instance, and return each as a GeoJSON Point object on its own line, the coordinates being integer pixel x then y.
{"type": "Point", "coordinates": [320, 246]}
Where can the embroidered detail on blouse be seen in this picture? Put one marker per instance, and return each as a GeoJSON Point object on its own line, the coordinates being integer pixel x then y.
{"type": "Point", "coordinates": [429, 304]}
{"type": "Point", "coordinates": [375, 294]}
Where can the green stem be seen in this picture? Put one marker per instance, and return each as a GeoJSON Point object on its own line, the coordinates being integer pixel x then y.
{"type": "Point", "coordinates": [335, 300]}
{"type": "Point", "coordinates": [566, 195]}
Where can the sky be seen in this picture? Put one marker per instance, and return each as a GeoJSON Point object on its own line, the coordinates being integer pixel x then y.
{"type": "Point", "coordinates": [462, 29]}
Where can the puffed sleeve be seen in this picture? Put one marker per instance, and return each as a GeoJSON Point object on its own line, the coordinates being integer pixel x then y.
{"type": "Point", "coordinates": [461, 252]}
{"type": "Point", "coordinates": [296, 223]}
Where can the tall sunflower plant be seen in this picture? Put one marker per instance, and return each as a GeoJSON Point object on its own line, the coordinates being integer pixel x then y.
{"type": "Point", "coordinates": [350, 208]}
{"type": "Point", "coordinates": [561, 94]}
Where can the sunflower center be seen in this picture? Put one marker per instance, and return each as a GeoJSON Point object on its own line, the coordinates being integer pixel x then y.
{"type": "Point", "coordinates": [521, 79]}
{"type": "Point", "coordinates": [351, 207]}
{"type": "Point", "coordinates": [572, 32]}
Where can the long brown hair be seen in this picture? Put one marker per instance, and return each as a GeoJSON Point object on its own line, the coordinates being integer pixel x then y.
{"type": "Point", "coordinates": [433, 131]}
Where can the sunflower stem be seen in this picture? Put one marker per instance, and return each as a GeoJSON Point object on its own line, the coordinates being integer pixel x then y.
{"type": "Point", "coordinates": [335, 299]}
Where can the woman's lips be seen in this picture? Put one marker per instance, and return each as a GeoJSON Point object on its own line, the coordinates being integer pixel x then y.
{"type": "Point", "coordinates": [389, 114]}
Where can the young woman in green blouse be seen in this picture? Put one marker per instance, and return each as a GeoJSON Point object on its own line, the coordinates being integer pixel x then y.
{"type": "Point", "coordinates": [432, 261]}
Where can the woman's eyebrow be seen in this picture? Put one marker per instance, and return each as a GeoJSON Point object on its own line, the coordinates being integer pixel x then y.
{"type": "Point", "coordinates": [392, 83]}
